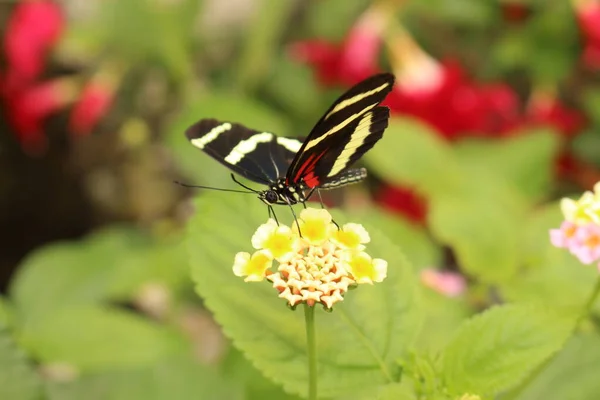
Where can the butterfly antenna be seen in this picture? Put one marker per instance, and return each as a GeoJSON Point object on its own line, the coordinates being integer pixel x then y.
{"type": "Point", "coordinates": [214, 188]}
{"type": "Point", "coordinates": [242, 185]}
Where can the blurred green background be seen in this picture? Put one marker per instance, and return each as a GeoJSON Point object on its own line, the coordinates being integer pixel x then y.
{"type": "Point", "coordinates": [495, 117]}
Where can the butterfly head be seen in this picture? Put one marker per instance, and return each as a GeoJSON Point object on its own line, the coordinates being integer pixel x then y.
{"type": "Point", "coordinates": [281, 193]}
{"type": "Point", "coordinates": [269, 196]}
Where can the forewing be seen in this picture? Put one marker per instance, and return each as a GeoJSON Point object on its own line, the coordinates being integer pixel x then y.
{"type": "Point", "coordinates": [252, 154]}
{"type": "Point", "coordinates": [335, 129]}
{"type": "Point", "coordinates": [336, 154]}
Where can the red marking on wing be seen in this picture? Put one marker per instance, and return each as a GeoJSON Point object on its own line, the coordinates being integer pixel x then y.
{"type": "Point", "coordinates": [306, 171]}
{"type": "Point", "coordinates": [311, 180]}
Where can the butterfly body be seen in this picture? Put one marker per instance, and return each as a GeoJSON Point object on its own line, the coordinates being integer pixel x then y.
{"type": "Point", "coordinates": [292, 169]}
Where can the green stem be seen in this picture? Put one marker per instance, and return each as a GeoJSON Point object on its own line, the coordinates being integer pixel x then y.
{"type": "Point", "coordinates": [309, 319]}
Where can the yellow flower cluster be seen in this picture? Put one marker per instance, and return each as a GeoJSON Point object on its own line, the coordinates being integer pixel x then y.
{"type": "Point", "coordinates": [318, 261]}
{"type": "Point", "coordinates": [585, 210]}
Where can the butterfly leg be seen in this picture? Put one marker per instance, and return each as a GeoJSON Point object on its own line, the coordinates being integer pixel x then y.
{"type": "Point", "coordinates": [272, 213]}
{"type": "Point", "coordinates": [295, 219]}
{"type": "Point", "coordinates": [323, 207]}
{"type": "Point", "coordinates": [320, 199]}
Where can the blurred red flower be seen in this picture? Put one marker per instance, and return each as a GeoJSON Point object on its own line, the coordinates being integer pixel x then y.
{"type": "Point", "coordinates": [443, 97]}
{"type": "Point", "coordinates": [545, 109]}
{"type": "Point", "coordinates": [515, 11]}
{"type": "Point", "coordinates": [588, 17]}
{"type": "Point", "coordinates": [33, 28]}
{"type": "Point", "coordinates": [352, 61]}
{"type": "Point", "coordinates": [94, 102]}
{"type": "Point", "coordinates": [404, 201]}
{"type": "Point", "coordinates": [29, 107]}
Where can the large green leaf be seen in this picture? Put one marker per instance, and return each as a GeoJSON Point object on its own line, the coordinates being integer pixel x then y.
{"type": "Point", "coordinates": [572, 374]}
{"type": "Point", "coordinates": [525, 161]}
{"type": "Point", "coordinates": [200, 167]}
{"type": "Point", "coordinates": [412, 154]}
{"type": "Point", "coordinates": [74, 273]}
{"type": "Point", "coordinates": [18, 379]}
{"type": "Point", "coordinates": [415, 243]}
{"type": "Point", "coordinates": [357, 343]}
{"type": "Point", "coordinates": [481, 229]}
{"type": "Point", "coordinates": [179, 378]}
{"type": "Point", "coordinates": [548, 270]}
{"type": "Point", "coordinates": [443, 316]}
{"type": "Point", "coordinates": [93, 338]}
{"type": "Point", "coordinates": [495, 350]}
{"type": "Point", "coordinates": [472, 209]}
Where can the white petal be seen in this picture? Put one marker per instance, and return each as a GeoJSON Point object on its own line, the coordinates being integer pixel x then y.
{"type": "Point", "coordinates": [240, 262]}
{"type": "Point", "coordinates": [380, 269]}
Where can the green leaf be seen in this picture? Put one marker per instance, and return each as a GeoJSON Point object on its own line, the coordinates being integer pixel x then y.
{"type": "Point", "coordinates": [200, 167]}
{"type": "Point", "coordinates": [591, 103]}
{"type": "Point", "coordinates": [547, 270]}
{"type": "Point", "coordinates": [413, 241]}
{"type": "Point", "coordinates": [238, 368]}
{"type": "Point", "coordinates": [180, 378]}
{"type": "Point", "coordinates": [261, 41]}
{"type": "Point", "coordinates": [346, 13]}
{"type": "Point", "coordinates": [412, 154]}
{"type": "Point", "coordinates": [495, 350]}
{"type": "Point", "coordinates": [293, 87]}
{"type": "Point", "coordinates": [572, 374]}
{"type": "Point", "coordinates": [485, 242]}
{"type": "Point", "coordinates": [80, 272]}
{"type": "Point", "coordinates": [393, 391]}
{"type": "Point", "coordinates": [586, 145]}
{"type": "Point", "coordinates": [18, 379]}
{"type": "Point", "coordinates": [94, 338]}
{"type": "Point", "coordinates": [163, 263]}
{"type": "Point", "coordinates": [5, 313]}
{"type": "Point", "coordinates": [357, 343]}
{"type": "Point", "coordinates": [443, 316]}
{"type": "Point", "coordinates": [525, 161]}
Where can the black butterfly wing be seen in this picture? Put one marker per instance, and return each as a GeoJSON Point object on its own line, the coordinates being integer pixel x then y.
{"type": "Point", "coordinates": [261, 157]}
{"type": "Point", "coordinates": [351, 126]}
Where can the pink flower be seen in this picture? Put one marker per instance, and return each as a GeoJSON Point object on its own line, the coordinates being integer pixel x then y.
{"type": "Point", "coordinates": [32, 30]}
{"type": "Point", "coordinates": [586, 246]}
{"type": "Point", "coordinates": [564, 237]}
{"type": "Point", "coordinates": [448, 283]}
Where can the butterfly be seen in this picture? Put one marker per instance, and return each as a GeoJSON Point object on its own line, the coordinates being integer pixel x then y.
{"type": "Point", "coordinates": [293, 169]}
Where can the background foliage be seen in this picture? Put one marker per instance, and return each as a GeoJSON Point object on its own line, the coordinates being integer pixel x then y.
{"type": "Point", "coordinates": [117, 284]}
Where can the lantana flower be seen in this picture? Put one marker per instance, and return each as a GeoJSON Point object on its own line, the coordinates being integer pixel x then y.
{"type": "Point", "coordinates": [447, 283]}
{"type": "Point", "coordinates": [317, 261]}
{"type": "Point", "coordinates": [579, 233]}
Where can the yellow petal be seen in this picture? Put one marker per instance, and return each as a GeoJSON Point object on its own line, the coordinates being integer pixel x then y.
{"type": "Point", "coordinates": [252, 267]}
{"type": "Point", "coordinates": [263, 233]}
{"type": "Point", "coordinates": [366, 270]}
{"type": "Point", "coordinates": [351, 236]}
{"type": "Point", "coordinates": [577, 211]}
